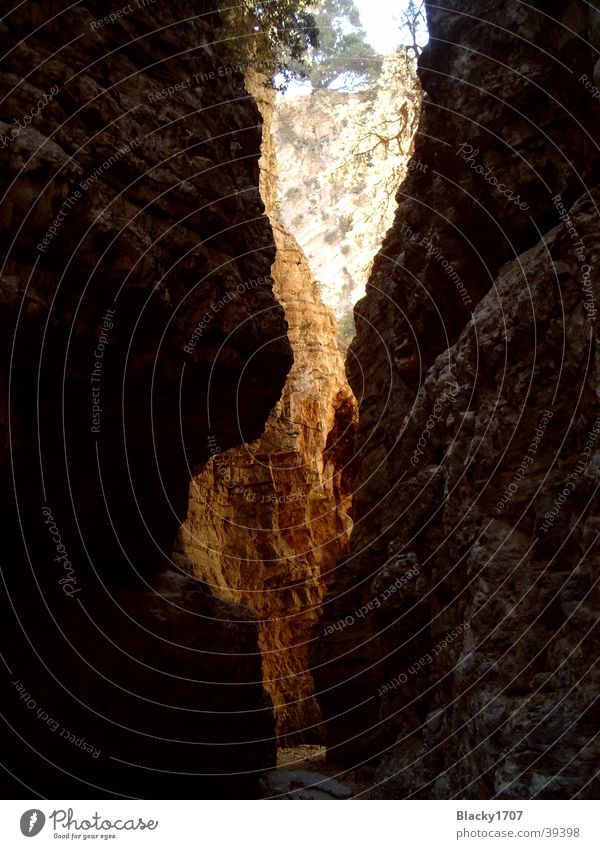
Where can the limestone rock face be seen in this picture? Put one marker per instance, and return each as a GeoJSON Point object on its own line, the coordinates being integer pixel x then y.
{"type": "Point", "coordinates": [130, 208]}
{"type": "Point", "coordinates": [268, 521]}
{"type": "Point", "coordinates": [456, 646]}
{"type": "Point", "coordinates": [342, 155]}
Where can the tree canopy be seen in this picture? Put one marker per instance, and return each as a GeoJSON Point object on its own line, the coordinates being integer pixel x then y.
{"type": "Point", "coordinates": [414, 24]}
{"type": "Point", "coordinates": [322, 41]}
{"type": "Point", "coordinates": [272, 36]}
{"type": "Point", "coordinates": [342, 52]}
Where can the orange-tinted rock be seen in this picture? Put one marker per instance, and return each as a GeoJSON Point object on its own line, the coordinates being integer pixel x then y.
{"type": "Point", "coordinates": [268, 520]}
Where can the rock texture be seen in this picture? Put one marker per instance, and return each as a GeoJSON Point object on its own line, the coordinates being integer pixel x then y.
{"type": "Point", "coordinates": [268, 521]}
{"type": "Point", "coordinates": [476, 366]}
{"type": "Point", "coordinates": [301, 784]}
{"type": "Point", "coordinates": [130, 207]}
{"type": "Point", "coordinates": [342, 155]}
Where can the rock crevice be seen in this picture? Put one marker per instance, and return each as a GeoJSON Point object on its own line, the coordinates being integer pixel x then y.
{"type": "Point", "coordinates": [475, 416]}
{"type": "Point", "coordinates": [268, 521]}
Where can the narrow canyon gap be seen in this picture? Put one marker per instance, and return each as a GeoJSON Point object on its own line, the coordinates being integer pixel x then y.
{"type": "Point", "coordinates": [210, 550]}
{"type": "Point", "coordinates": [268, 521]}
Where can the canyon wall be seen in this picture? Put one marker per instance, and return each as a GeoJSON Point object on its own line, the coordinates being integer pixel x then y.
{"type": "Point", "coordinates": [130, 207]}
{"type": "Point", "coordinates": [267, 521]}
{"type": "Point", "coordinates": [456, 647]}
{"type": "Point", "coordinates": [342, 155]}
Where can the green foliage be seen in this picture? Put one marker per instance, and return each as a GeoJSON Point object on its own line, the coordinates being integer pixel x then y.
{"type": "Point", "coordinates": [270, 36]}
{"type": "Point", "coordinates": [341, 51]}
{"type": "Point", "coordinates": [414, 25]}
{"type": "Point", "coordinates": [346, 327]}
{"type": "Point", "coordinates": [322, 41]}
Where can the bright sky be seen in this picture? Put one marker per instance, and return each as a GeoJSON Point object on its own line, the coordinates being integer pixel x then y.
{"type": "Point", "coordinates": [383, 32]}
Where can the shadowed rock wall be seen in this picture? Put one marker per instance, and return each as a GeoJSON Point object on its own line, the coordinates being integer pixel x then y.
{"type": "Point", "coordinates": [130, 204]}
{"type": "Point", "coordinates": [479, 461]}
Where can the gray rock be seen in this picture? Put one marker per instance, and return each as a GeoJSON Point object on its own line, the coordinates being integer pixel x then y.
{"type": "Point", "coordinates": [473, 718]}
{"type": "Point", "coordinates": [301, 784]}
